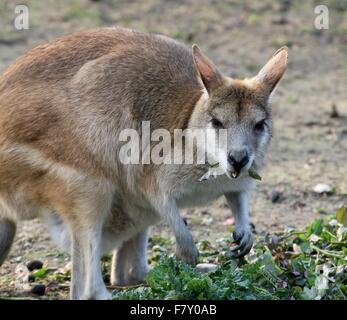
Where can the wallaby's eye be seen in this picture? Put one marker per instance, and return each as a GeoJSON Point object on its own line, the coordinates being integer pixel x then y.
{"type": "Point", "coordinates": [216, 123]}
{"type": "Point", "coordinates": [260, 125]}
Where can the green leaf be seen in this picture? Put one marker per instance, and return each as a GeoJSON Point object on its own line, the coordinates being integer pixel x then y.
{"type": "Point", "coordinates": [316, 227]}
{"type": "Point", "coordinates": [341, 216]}
{"type": "Point", "coordinates": [40, 273]}
{"type": "Point", "coordinates": [316, 270]}
{"type": "Point", "coordinates": [306, 247]}
{"type": "Point", "coordinates": [214, 165]}
{"type": "Point", "coordinates": [253, 174]}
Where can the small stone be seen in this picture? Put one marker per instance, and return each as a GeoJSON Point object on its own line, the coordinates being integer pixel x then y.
{"type": "Point", "coordinates": [21, 270]}
{"type": "Point", "coordinates": [31, 278]}
{"type": "Point", "coordinates": [206, 267]}
{"type": "Point", "coordinates": [66, 268]}
{"type": "Point", "coordinates": [228, 222]}
{"type": "Point", "coordinates": [27, 245]}
{"type": "Point", "coordinates": [275, 196]}
{"type": "Point", "coordinates": [38, 289]}
{"type": "Point", "coordinates": [34, 265]}
{"type": "Point", "coordinates": [334, 113]}
{"type": "Point", "coordinates": [322, 188]}
{"type": "Point", "coordinates": [17, 259]}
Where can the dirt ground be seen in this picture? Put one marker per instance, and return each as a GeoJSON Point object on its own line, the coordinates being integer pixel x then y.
{"type": "Point", "coordinates": [309, 144]}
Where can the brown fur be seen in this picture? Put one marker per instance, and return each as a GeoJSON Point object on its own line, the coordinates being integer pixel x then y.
{"type": "Point", "coordinates": [240, 97]}
{"type": "Point", "coordinates": [38, 103]}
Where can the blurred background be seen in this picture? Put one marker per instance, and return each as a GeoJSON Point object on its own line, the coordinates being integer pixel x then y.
{"type": "Point", "coordinates": [305, 177]}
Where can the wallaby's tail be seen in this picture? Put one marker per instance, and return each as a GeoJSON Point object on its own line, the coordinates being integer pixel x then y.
{"type": "Point", "coordinates": [7, 233]}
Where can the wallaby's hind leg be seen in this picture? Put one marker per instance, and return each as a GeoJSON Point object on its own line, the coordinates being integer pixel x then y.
{"type": "Point", "coordinates": [85, 222]}
{"type": "Point", "coordinates": [87, 282]}
{"type": "Point", "coordinates": [7, 233]}
{"type": "Point", "coordinates": [129, 263]}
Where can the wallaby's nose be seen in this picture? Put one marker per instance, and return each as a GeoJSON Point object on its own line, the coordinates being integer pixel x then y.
{"type": "Point", "coordinates": [238, 159]}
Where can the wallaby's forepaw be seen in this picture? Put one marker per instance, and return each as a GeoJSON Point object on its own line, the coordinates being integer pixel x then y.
{"type": "Point", "coordinates": [244, 239]}
{"type": "Point", "coordinates": [188, 254]}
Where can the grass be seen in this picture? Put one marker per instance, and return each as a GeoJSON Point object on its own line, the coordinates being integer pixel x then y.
{"type": "Point", "coordinates": [295, 265]}
{"type": "Point", "coordinates": [308, 264]}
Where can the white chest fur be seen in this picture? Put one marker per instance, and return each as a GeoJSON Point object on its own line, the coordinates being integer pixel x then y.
{"type": "Point", "coordinates": [200, 193]}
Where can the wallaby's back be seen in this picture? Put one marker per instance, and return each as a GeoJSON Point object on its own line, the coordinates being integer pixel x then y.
{"type": "Point", "coordinates": [53, 95]}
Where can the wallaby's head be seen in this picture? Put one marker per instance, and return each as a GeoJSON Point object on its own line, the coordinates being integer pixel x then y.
{"type": "Point", "coordinates": [241, 107]}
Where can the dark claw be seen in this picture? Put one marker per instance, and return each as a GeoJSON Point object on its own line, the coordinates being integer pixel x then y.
{"type": "Point", "coordinates": [237, 236]}
{"type": "Point", "coordinates": [236, 248]}
{"type": "Point", "coordinates": [238, 255]}
{"type": "Point", "coordinates": [243, 252]}
{"type": "Point", "coordinates": [244, 246]}
{"type": "Point", "coordinates": [237, 241]}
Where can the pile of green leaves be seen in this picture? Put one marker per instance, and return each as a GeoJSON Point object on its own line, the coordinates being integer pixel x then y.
{"type": "Point", "coordinates": [309, 264]}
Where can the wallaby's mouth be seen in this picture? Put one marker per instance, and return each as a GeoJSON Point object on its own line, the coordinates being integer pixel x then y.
{"type": "Point", "coordinates": [232, 174]}
{"type": "Point", "coordinates": [235, 174]}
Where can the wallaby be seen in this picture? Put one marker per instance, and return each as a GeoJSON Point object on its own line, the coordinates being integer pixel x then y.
{"type": "Point", "coordinates": [63, 106]}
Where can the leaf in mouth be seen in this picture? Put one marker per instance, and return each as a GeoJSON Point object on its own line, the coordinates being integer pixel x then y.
{"type": "Point", "coordinates": [210, 172]}
{"type": "Point", "coordinates": [253, 174]}
{"type": "Point", "coordinates": [214, 165]}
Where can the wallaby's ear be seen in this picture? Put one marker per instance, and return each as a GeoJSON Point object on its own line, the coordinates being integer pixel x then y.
{"type": "Point", "coordinates": [274, 69]}
{"type": "Point", "coordinates": [209, 73]}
